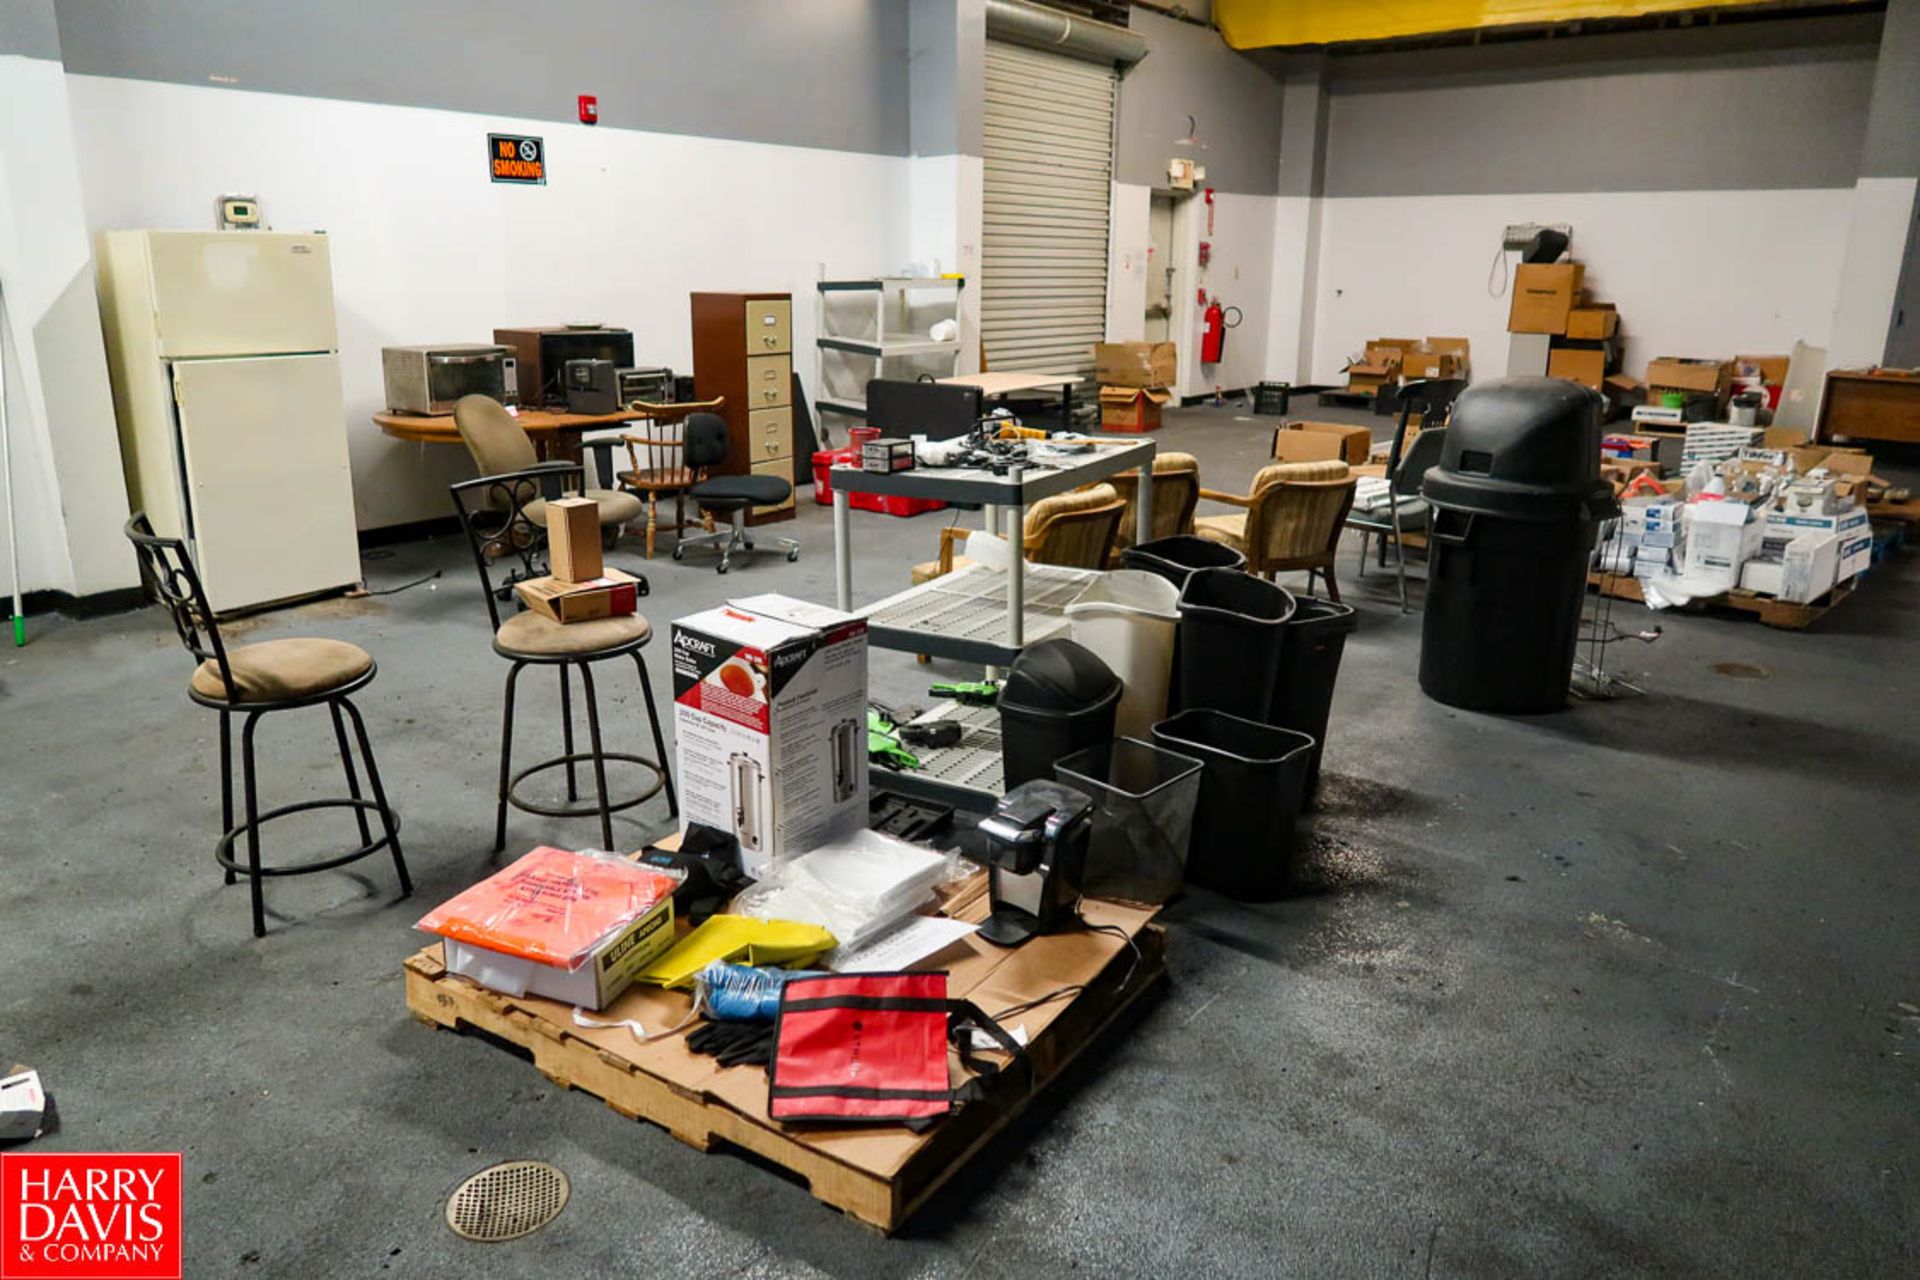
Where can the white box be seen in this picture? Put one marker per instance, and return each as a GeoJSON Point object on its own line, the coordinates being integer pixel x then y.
{"type": "Point", "coordinates": [1809, 568]}
{"type": "Point", "coordinates": [1721, 538]}
{"type": "Point", "coordinates": [1856, 554]}
{"type": "Point", "coordinates": [1762, 576]}
{"type": "Point", "coordinates": [1782, 527]}
{"type": "Point", "coordinates": [770, 721]}
{"type": "Point", "coordinates": [23, 1104]}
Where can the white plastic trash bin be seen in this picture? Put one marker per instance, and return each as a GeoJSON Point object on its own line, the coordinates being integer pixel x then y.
{"type": "Point", "coordinates": [1129, 618]}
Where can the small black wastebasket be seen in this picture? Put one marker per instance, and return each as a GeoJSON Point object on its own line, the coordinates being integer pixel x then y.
{"type": "Point", "coordinates": [1517, 498]}
{"type": "Point", "coordinates": [1309, 667]}
{"type": "Point", "coordinates": [1178, 556]}
{"type": "Point", "coordinates": [1232, 628]}
{"type": "Point", "coordinates": [1252, 780]}
{"type": "Point", "coordinates": [1058, 698]}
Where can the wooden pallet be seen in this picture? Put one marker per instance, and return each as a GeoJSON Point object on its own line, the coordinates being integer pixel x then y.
{"type": "Point", "coordinates": [1771, 610]}
{"type": "Point", "coordinates": [878, 1176]}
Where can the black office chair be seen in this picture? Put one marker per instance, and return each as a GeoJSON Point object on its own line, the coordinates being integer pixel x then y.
{"type": "Point", "coordinates": [1405, 509]}
{"type": "Point", "coordinates": [1432, 399]}
{"type": "Point", "coordinates": [493, 514]}
{"type": "Point", "coordinates": [704, 448]}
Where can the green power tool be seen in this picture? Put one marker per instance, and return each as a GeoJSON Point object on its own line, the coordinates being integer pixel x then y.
{"type": "Point", "coordinates": [883, 743]}
{"type": "Point", "coordinates": [968, 693]}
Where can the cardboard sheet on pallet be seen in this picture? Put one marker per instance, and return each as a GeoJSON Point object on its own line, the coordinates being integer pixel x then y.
{"type": "Point", "coordinates": [993, 978]}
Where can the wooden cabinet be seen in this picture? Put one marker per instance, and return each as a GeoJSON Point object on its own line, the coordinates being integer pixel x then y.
{"type": "Point", "coordinates": [1870, 406]}
{"type": "Point", "coordinates": [743, 350]}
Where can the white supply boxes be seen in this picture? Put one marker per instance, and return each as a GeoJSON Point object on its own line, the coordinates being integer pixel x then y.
{"type": "Point", "coordinates": [770, 717]}
{"type": "Point", "coordinates": [1852, 527]}
{"type": "Point", "coordinates": [1721, 536]}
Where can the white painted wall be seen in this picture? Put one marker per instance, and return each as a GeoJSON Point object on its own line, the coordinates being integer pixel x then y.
{"type": "Point", "coordinates": [1296, 261]}
{"type": "Point", "coordinates": [1880, 213]}
{"type": "Point", "coordinates": [67, 481]}
{"type": "Point", "coordinates": [426, 249]}
{"type": "Point", "coordinates": [1128, 241]}
{"type": "Point", "coordinates": [1693, 273]}
{"type": "Point", "coordinates": [1240, 274]}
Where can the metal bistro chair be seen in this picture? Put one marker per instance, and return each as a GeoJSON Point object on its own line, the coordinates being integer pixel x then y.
{"type": "Point", "coordinates": [253, 680]}
{"type": "Point", "coordinates": [1405, 510]}
{"type": "Point", "coordinates": [493, 512]}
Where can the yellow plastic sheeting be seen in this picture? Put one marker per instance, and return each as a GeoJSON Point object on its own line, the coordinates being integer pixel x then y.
{"type": "Point", "coordinates": [1256, 24]}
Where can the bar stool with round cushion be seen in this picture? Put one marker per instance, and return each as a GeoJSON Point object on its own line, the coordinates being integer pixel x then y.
{"type": "Point", "coordinates": [496, 513]}
{"type": "Point", "coordinates": [253, 680]}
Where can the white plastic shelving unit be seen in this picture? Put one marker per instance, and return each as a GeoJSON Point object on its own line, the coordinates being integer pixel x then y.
{"type": "Point", "coordinates": [857, 343]}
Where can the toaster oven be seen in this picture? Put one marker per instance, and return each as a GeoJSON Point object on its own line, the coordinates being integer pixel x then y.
{"type": "Point", "coordinates": [431, 378]}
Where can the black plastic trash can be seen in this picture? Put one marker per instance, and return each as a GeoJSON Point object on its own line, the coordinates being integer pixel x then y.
{"type": "Point", "coordinates": [1252, 780]}
{"type": "Point", "coordinates": [1176, 557]}
{"type": "Point", "coordinates": [1309, 667]}
{"type": "Point", "coordinates": [1232, 629]}
{"type": "Point", "coordinates": [1517, 499]}
{"type": "Point", "coordinates": [1058, 698]}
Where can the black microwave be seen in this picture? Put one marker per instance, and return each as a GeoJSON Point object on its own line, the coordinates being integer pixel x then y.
{"type": "Point", "coordinates": [543, 353]}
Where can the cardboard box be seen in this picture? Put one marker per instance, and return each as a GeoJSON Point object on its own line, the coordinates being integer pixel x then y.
{"type": "Point", "coordinates": [1680, 373]}
{"type": "Point", "coordinates": [1544, 295]}
{"type": "Point", "coordinates": [1721, 538]}
{"type": "Point", "coordinates": [1588, 368]}
{"type": "Point", "coordinates": [1132, 408]}
{"type": "Point", "coordinates": [611, 595]}
{"type": "Point", "coordinates": [770, 717]}
{"type": "Point", "coordinates": [1428, 363]}
{"type": "Point", "coordinates": [1852, 527]}
{"type": "Point", "coordinates": [1136, 364]}
{"type": "Point", "coordinates": [1593, 320]}
{"type": "Point", "coordinates": [23, 1105]}
{"type": "Point", "coordinates": [505, 932]}
{"type": "Point", "coordinates": [573, 539]}
{"type": "Point", "coordinates": [1320, 441]}
{"type": "Point", "coordinates": [1809, 567]}
{"type": "Point", "coordinates": [1770, 370]}
{"type": "Point", "coordinates": [1763, 577]}
{"type": "Point", "coordinates": [1369, 377]}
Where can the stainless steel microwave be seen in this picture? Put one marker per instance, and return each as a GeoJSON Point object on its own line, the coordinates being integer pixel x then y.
{"type": "Point", "coordinates": [431, 379]}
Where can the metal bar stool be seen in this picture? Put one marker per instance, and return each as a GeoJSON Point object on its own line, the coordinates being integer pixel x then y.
{"type": "Point", "coordinates": [254, 680]}
{"type": "Point", "coordinates": [501, 517]}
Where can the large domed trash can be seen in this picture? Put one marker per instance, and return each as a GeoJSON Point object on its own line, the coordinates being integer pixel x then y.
{"type": "Point", "coordinates": [1058, 698]}
{"type": "Point", "coordinates": [1517, 499]}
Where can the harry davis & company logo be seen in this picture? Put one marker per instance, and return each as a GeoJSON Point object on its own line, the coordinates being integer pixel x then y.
{"type": "Point", "coordinates": [90, 1216]}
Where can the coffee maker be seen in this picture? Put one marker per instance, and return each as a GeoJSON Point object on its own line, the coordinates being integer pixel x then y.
{"type": "Point", "coordinates": [1036, 849]}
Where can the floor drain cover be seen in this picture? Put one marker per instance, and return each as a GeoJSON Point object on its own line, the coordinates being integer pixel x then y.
{"type": "Point", "coordinates": [1741, 670]}
{"type": "Point", "coordinates": [507, 1201]}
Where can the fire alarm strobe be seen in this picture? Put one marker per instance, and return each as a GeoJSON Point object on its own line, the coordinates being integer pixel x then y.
{"type": "Point", "coordinates": [589, 109]}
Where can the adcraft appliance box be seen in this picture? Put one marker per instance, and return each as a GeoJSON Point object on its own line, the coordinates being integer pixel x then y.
{"type": "Point", "coordinates": [769, 714]}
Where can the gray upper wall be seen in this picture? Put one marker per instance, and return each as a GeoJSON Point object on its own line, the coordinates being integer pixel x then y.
{"type": "Point", "coordinates": [28, 29]}
{"type": "Point", "coordinates": [1746, 107]}
{"type": "Point", "coordinates": [1892, 148]}
{"type": "Point", "coordinates": [1236, 100]}
{"type": "Point", "coordinates": [811, 73]}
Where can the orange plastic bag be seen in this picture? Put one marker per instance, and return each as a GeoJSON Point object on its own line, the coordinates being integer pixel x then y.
{"type": "Point", "coordinates": [551, 906]}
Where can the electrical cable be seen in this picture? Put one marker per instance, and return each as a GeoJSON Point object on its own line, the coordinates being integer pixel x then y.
{"type": "Point", "coordinates": [1500, 263]}
{"type": "Point", "coordinates": [405, 586]}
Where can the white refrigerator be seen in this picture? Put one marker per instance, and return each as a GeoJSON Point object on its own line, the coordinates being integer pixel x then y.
{"type": "Point", "coordinates": [226, 383]}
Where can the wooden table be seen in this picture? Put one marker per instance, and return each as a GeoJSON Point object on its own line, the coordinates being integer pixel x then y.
{"type": "Point", "coordinates": [1869, 406]}
{"type": "Point", "coordinates": [1006, 384]}
{"type": "Point", "coordinates": [555, 435]}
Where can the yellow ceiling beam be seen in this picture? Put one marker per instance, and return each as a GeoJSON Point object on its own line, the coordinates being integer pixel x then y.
{"type": "Point", "coordinates": [1257, 24]}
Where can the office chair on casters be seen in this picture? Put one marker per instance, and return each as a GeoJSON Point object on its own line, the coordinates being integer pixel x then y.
{"type": "Point", "coordinates": [704, 447]}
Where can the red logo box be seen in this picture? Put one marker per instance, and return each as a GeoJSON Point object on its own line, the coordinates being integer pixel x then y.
{"type": "Point", "coordinates": [92, 1216]}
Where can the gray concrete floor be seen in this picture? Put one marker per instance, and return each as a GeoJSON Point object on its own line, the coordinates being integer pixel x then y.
{"type": "Point", "coordinates": [1631, 988]}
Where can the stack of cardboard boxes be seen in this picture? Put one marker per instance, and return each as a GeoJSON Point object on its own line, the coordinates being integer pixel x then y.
{"type": "Point", "coordinates": [1136, 382]}
{"type": "Point", "coordinates": [581, 587]}
{"type": "Point", "coordinates": [1388, 362]}
{"type": "Point", "coordinates": [1560, 331]}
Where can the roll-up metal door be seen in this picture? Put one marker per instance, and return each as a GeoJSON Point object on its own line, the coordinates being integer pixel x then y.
{"type": "Point", "coordinates": [1048, 184]}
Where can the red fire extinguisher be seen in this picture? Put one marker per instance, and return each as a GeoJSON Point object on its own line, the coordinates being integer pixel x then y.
{"type": "Point", "coordinates": [1213, 330]}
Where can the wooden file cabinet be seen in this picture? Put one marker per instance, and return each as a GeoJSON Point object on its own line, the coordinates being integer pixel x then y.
{"type": "Point", "coordinates": [743, 350]}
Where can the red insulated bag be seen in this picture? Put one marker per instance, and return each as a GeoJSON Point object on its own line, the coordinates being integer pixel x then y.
{"type": "Point", "coordinates": [871, 1048]}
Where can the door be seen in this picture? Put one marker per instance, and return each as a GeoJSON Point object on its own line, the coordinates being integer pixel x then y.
{"type": "Point", "coordinates": [1048, 175]}
{"type": "Point", "coordinates": [1903, 330]}
{"type": "Point", "coordinates": [1159, 268]}
{"type": "Point", "coordinates": [241, 293]}
{"type": "Point", "coordinates": [263, 454]}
